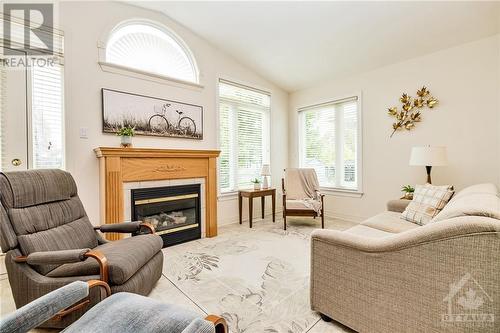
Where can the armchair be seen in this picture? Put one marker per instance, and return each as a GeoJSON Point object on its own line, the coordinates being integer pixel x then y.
{"type": "Point", "coordinates": [301, 195]}
{"type": "Point", "coordinates": [48, 240]}
{"type": "Point", "coordinates": [122, 312]}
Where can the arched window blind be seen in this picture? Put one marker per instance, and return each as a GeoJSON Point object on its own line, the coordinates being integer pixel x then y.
{"type": "Point", "coordinates": [147, 48]}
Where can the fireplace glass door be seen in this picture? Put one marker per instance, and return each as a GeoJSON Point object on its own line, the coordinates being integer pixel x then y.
{"type": "Point", "coordinates": [173, 211]}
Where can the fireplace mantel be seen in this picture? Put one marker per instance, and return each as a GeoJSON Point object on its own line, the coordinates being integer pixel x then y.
{"type": "Point", "coordinates": [121, 165]}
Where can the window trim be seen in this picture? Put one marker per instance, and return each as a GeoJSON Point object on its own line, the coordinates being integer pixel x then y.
{"type": "Point", "coordinates": [230, 195]}
{"type": "Point", "coordinates": [107, 66]}
{"type": "Point", "coordinates": [338, 190]}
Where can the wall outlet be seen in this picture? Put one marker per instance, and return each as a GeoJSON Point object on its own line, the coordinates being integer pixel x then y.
{"type": "Point", "coordinates": [84, 133]}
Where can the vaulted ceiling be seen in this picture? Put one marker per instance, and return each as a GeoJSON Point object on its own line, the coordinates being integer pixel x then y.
{"type": "Point", "coordinates": [298, 44]}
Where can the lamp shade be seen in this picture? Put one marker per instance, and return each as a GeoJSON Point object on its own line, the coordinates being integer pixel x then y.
{"type": "Point", "coordinates": [266, 170]}
{"type": "Point", "coordinates": [428, 156]}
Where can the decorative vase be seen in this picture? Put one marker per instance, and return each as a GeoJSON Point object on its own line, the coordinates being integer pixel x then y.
{"type": "Point", "coordinates": [126, 141]}
{"type": "Point", "coordinates": [256, 186]}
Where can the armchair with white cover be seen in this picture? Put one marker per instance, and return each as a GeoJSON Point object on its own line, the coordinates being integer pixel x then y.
{"type": "Point", "coordinates": [301, 194]}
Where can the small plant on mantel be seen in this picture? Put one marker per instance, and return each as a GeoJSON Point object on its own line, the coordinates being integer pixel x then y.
{"type": "Point", "coordinates": [126, 133]}
{"type": "Point", "coordinates": [256, 183]}
{"type": "Point", "coordinates": [408, 192]}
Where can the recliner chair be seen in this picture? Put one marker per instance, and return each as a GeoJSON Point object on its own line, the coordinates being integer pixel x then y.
{"type": "Point", "coordinates": [50, 242]}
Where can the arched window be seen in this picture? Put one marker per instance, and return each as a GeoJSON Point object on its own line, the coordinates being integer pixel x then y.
{"type": "Point", "coordinates": [151, 48]}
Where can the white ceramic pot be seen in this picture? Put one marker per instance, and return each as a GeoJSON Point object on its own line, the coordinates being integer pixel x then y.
{"type": "Point", "coordinates": [126, 141]}
{"type": "Point", "coordinates": [256, 186]}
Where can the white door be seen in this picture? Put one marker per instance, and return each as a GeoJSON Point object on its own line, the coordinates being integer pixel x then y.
{"type": "Point", "coordinates": [14, 117]}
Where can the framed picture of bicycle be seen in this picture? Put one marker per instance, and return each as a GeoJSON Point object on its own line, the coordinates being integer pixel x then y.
{"type": "Point", "coordinates": [150, 116]}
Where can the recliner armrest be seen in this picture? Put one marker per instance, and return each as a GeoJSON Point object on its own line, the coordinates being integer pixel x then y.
{"type": "Point", "coordinates": [56, 304]}
{"type": "Point", "coordinates": [54, 257]}
{"type": "Point", "coordinates": [66, 257]}
{"type": "Point", "coordinates": [125, 227]}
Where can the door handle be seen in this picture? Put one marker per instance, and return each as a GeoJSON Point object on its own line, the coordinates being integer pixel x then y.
{"type": "Point", "coordinates": [16, 162]}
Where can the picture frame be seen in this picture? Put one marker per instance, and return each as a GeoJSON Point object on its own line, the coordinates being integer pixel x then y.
{"type": "Point", "coordinates": [150, 116]}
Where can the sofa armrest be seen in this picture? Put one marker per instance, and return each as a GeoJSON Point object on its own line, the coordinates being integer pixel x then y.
{"type": "Point", "coordinates": [398, 205]}
{"type": "Point", "coordinates": [126, 227]}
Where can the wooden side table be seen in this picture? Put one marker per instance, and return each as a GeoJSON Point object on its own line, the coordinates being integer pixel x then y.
{"type": "Point", "coordinates": [250, 194]}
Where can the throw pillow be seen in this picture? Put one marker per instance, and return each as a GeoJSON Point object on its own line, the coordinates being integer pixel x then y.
{"type": "Point", "coordinates": [428, 201]}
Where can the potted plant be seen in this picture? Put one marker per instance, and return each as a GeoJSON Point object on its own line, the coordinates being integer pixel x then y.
{"type": "Point", "coordinates": [408, 192]}
{"type": "Point", "coordinates": [126, 133]}
{"type": "Point", "coordinates": [256, 183]}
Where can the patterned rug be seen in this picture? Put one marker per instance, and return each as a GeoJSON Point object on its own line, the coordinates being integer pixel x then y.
{"type": "Point", "coordinates": [257, 279]}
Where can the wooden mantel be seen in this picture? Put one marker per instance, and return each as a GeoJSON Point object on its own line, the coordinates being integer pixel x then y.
{"type": "Point", "coordinates": [121, 165]}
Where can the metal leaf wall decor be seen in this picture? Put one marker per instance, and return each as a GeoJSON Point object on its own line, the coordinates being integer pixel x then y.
{"type": "Point", "coordinates": [411, 107]}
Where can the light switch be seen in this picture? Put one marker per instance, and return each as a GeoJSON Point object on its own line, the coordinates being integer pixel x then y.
{"type": "Point", "coordinates": [83, 133]}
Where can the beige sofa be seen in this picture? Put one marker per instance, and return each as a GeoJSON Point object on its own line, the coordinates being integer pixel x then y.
{"type": "Point", "coordinates": [390, 275]}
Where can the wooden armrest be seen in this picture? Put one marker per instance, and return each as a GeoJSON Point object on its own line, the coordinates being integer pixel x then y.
{"type": "Point", "coordinates": [102, 261]}
{"type": "Point", "coordinates": [219, 323]}
{"type": "Point", "coordinates": [91, 283]}
{"type": "Point", "coordinates": [148, 226]}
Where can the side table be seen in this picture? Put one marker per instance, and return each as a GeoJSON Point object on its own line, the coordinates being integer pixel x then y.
{"type": "Point", "coordinates": [250, 194]}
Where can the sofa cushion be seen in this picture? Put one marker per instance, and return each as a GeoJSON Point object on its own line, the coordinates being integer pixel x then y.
{"type": "Point", "coordinates": [428, 201]}
{"type": "Point", "coordinates": [308, 204]}
{"type": "Point", "coordinates": [389, 222]}
{"type": "Point", "coordinates": [125, 257]}
{"type": "Point", "coordinates": [476, 200]}
{"type": "Point", "coordinates": [362, 230]}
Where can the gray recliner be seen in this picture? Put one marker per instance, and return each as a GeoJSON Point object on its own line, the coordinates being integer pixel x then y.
{"type": "Point", "coordinates": [50, 242]}
{"type": "Point", "coordinates": [122, 312]}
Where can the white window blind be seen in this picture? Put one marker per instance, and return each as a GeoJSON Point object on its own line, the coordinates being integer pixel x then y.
{"type": "Point", "coordinates": [147, 48]}
{"type": "Point", "coordinates": [329, 142]}
{"type": "Point", "coordinates": [243, 134]}
{"type": "Point", "coordinates": [47, 117]}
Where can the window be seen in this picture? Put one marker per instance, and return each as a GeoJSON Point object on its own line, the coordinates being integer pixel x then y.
{"type": "Point", "coordinates": [243, 134]}
{"type": "Point", "coordinates": [330, 143]}
{"type": "Point", "coordinates": [154, 49]}
{"type": "Point", "coordinates": [47, 121]}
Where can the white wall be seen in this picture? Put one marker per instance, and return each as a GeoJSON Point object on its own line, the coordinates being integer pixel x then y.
{"type": "Point", "coordinates": [465, 79]}
{"type": "Point", "coordinates": [84, 24]}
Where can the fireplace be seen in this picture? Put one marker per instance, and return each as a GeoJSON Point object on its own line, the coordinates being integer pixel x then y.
{"type": "Point", "coordinates": [174, 211]}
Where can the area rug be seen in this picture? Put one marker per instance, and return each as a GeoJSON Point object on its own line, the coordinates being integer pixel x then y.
{"type": "Point", "coordinates": [257, 279]}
